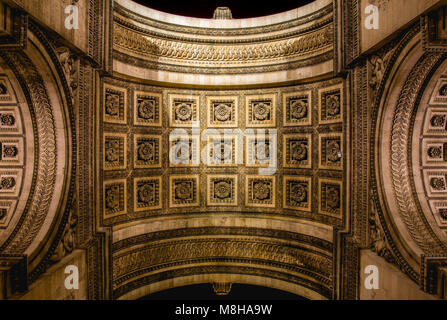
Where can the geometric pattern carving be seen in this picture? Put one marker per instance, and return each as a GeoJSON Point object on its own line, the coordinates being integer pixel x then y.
{"type": "Point", "coordinates": [115, 198]}
{"type": "Point", "coordinates": [330, 104]}
{"type": "Point", "coordinates": [222, 190]}
{"type": "Point", "coordinates": [7, 208]}
{"type": "Point", "coordinates": [6, 93]}
{"type": "Point", "coordinates": [330, 197]}
{"type": "Point", "coordinates": [331, 151]}
{"type": "Point", "coordinates": [11, 151]}
{"type": "Point", "coordinates": [261, 110]}
{"type": "Point", "coordinates": [260, 191]}
{"type": "Point", "coordinates": [436, 122]}
{"type": "Point", "coordinates": [436, 182]}
{"type": "Point", "coordinates": [439, 208]}
{"type": "Point", "coordinates": [297, 193]}
{"type": "Point", "coordinates": [434, 152]}
{"type": "Point", "coordinates": [147, 193]}
{"type": "Point", "coordinates": [184, 191]}
{"type": "Point", "coordinates": [297, 151]}
{"type": "Point", "coordinates": [115, 151]}
{"type": "Point", "coordinates": [297, 108]}
{"type": "Point", "coordinates": [183, 110]}
{"type": "Point", "coordinates": [440, 93]}
{"type": "Point", "coordinates": [147, 107]}
{"type": "Point", "coordinates": [147, 151]}
{"type": "Point", "coordinates": [222, 111]}
{"type": "Point", "coordinates": [115, 104]}
{"type": "Point", "coordinates": [10, 120]}
{"type": "Point", "coordinates": [10, 182]}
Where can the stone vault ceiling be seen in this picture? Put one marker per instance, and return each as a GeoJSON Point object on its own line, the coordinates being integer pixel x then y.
{"type": "Point", "coordinates": [185, 149]}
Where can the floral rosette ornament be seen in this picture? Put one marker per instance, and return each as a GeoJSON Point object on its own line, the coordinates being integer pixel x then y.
{"type": "Point", "coordinates": [145, 151]}
{"type": "Point", "coordinates": [298, 193]}
{"type": "Point", "coordinates": [222, 190]}
{"type": "Point", "coordinates": [298, 109]}
{"type": "Point", "coordinates": [261, 191]}
{"type": "Point", "coordinates": [222, 112]}
{"type": "Point", "coordinates": [333, 105]}
{"type": "Point", "coordinates": [183, 112]}
{"type": "Point", "coordinates": [146, 109]}
{"type": "Point", "coordinates": [183, 191]}
{"type": "Point", "coordinates": [146, 193]}
{"type": "Point", "coordinates": [261, 111]}
{"type": "Point", "coordinates": [112, 105]}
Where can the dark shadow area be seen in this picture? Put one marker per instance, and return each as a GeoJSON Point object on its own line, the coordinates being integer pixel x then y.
{"type": "Point", "coordinates": [239, 8]}
{"type": "Point", "coordinates": [238, 292]}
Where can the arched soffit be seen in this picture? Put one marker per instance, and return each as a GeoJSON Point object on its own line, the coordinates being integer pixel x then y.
{"type": "Point", "coordinates": [234, 212]}
{"type": "Point", "coordinates": [153, 46]}
{"type": "Point", "coordinates": [170, 258]}
{"type": "Point", "coordinates": [222, 278]}
{"type": "Point", "coordinates": [39, 129]}
{"type": "Point", "coordinates": [411, 204]}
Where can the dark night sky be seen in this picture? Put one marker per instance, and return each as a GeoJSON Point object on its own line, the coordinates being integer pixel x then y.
{"type": "Point", "coordinates": [239, 8]}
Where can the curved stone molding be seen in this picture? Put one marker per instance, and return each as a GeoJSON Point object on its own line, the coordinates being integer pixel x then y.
{"type": "Point", "coordinates": [401, 175]}
{"type": "Point", "coordinates": [42, 216]}
{"type": "Point", "coordinates": [407, 233]}
{"type": "Point", "coordinates": [46, 137]}
{"type": "Point", "coordinates": [307, 262]}
{"type": "Point", "coordinates": [146, 40]}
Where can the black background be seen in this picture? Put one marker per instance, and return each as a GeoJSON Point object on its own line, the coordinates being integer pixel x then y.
{"type": "Point", "coordinates": [239, 8]}
{"type": "Point", "coordinates": [238, 292]}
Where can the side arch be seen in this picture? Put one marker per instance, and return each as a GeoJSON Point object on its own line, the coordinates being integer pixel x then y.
{"type": "Point", "coordinates": [35, 231]}
{"type": "Point", "coordinates": [409, 233]}
{"type": "Point", "coordinates": [222, 277]}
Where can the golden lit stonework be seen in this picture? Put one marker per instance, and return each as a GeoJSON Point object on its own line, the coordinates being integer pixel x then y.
{"type": "Point", "coordinates": [301, 153]}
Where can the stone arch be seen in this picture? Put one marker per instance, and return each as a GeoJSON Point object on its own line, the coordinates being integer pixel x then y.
{"type": "Point", "coordinates": [36, 229]}
{"type": "Point", "coordinates": [222, 278]}
{"type": "Point", "coordinates": [409, 232]}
